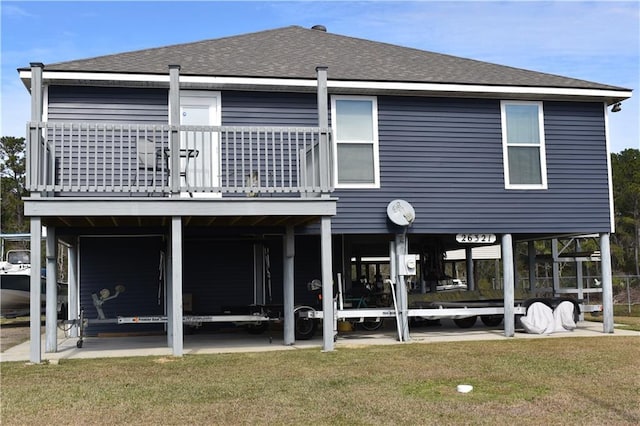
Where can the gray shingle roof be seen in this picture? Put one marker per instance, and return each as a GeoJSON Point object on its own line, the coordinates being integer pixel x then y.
{"type": "Point", "coordinates": [294, 52]}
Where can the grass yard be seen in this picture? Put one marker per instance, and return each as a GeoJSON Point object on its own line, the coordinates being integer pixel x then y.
{"type": "Point", "coordinates": [570, 380]}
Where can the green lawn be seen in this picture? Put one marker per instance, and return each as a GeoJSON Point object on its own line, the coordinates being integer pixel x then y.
{"type": "Point", "coordinates": [567, 380]}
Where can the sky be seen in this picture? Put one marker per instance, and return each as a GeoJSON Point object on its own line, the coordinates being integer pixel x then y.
{"type": "Point", "coordinates": [597, 41]}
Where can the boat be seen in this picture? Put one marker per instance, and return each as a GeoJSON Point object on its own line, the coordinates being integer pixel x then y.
{"type": "Point", "coordinates": [15, 286]}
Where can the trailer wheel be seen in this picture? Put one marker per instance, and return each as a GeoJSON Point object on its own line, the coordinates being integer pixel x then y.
{"type": "Point", "coordinates": [465, 322]}
{"type": "Point", "coordinates": [491, 320]}
{"type": "Point", "coordinates": [305, 327]}
{"type": "Point", "coordinates": [371, 325]}
{"type": "Point", "coordinates": [257, 328]}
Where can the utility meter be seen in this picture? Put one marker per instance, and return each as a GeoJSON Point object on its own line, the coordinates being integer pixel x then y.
{"type": "Point", "coordinates": [407, 264]}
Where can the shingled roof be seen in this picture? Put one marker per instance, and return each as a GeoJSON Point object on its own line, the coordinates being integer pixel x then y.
{"type": "Point", "coordinates": [295, 52]}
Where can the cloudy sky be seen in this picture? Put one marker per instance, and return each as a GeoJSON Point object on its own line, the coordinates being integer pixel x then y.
{"type": "Point", "coordinates": [595, 40]}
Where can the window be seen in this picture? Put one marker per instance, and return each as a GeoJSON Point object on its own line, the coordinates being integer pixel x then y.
{"type": "Point", "coordinates": [355, 129]}
{"type": "Point", "coordinates": [523, 145]}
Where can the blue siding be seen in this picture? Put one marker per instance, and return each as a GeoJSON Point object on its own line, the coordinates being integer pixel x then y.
{"type": "Point", "coordinates": [217, 271]}
{"type": "Point", "coordinates": [130, 261]}
{"type": "Point", "coordinates": [123, 105]}
{"type": "Point", "coordinates": [445, 157]}
{"type": "Point", "coordinates": [269, 109]}
{"type": "Point", "coordinates": [217, 274]}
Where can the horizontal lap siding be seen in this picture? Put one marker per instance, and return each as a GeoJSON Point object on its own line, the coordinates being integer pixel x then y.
{"type": "Point", "coordinates": [101, 104]}
{"type": "Point", "coordinates": [268, 109]}
{"type": "Point", "coordinates": [130, 261]}
{"type": "Point", "coordinates": [444, 156]}
{"type": "Point", "coordinates": [218, 274]}
{"type": "Point", "coordinates": [95, 151]}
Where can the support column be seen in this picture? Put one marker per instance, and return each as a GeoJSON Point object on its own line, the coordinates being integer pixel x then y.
{"type": "Point", "coordinates": [402, 250]}
{"type": "Point", "coordinates": [531, 253]}
{"type": "Point", "coordinates": [73, 289]}
{"type": "Point", "coordinates": [579, 277]}
{"type": "Point", "coordinates": [168, 302]}
{"type": "Point", "coordinates": [508, 285]}
{"type": "Point", "coordinates": [35, 355]}
{"type": "Point", "coordinates": [471, 282]}
{"type": "Point", "coordinates": [555, 266]}
{"type": "Point", "coordinates": [51, 321]}
{"type": "Point", "coordinates": [175, 322]}
{"type": "Point", "coordinates": [328, 319]}
{"type": "Point", "coordinates": [323, 123]}
{"type": "Point", "coordinates": [607, 284]}
{"type": "Point", "coordinates": [288, 283]}
{"type": "Point", "coordinates": [33, 171]}
{"type": "Point", "coordinates": [174, 122]}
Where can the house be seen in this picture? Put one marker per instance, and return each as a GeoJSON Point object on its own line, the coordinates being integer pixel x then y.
{"type": "Point", "coordinates": [231, 172]}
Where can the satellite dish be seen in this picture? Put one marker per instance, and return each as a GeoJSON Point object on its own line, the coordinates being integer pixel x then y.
{"type": "Point", "coordinates": [401, 212]}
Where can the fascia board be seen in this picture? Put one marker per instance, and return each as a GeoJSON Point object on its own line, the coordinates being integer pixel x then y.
{"type": "Point", "coordinates": [377, 86]}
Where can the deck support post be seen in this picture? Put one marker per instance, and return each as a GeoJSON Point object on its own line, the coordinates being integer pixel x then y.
{"type": "Point", "coordinates": [35, 346]}
{"type": "Point", "coordinates": [323, 123]}
{"type": "Point", "coordinates": [32, 177]}
{"type": "Point", "coordinates": [402, 249]}
{"type": "Point", "coordinates": [73, 289]}
{"type": "Point", "coordinates": [579, 277]}
{"type": "Point", "coordinates": [328, 319]}
{"type": "Point", "coordinates": [508, 285]}
{"type": "Point", "coordinates": [531, 253]}
{"type": "Point", "coordinates": [51, 315]}
{"type": "Point", "coordinates": [174, 331]}
{"type": "Point", "coordinates": [288, 282]}
{"type": "Point", "coordinates": [607, 284]}
{"type": "Point", "coordinates": [555, 266]}
{"type": "Point", "coordinates": [174, 122]}
{"type": "Point", "coordinates": [471, 282]}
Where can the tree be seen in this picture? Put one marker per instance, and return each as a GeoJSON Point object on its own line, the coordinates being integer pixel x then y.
{"type": "Point", "coordinates": [626, 193]}
{"type": "Point", "coordinates": [12, 175]}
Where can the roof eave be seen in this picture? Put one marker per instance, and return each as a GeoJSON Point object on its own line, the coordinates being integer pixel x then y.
{"type": "Point", "coordinates": [608, 95]}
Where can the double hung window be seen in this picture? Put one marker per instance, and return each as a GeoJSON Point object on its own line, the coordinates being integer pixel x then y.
{"type": "Point", "coordinates": [355, 128]}
{"type": "Point", "coordinates": [523, 145]}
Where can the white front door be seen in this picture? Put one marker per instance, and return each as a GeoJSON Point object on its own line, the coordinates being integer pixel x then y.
{"type": "Point", "coordinates": [200, 108]}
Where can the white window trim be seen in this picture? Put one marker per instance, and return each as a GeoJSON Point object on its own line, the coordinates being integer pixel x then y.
{"type": "Point", "coordinates": [505, 154]}
{"type": "Point", "coordinates": [376, 156]}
